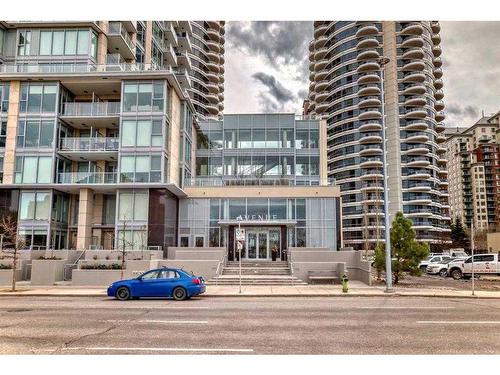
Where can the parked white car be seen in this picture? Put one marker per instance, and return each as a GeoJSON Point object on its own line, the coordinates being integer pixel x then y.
{"type": "Point", "coordinates": [484, 264]}
{"type": "Point", "coordinates": [442, 267]}
{"type": "Point", "coordinates": [431, 259]}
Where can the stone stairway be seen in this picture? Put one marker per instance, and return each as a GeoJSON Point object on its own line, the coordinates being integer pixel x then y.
{"type": "Point", "coordinates": [256, 273]}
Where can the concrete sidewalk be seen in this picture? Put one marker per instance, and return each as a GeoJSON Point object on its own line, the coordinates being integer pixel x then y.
{"type": "Point", "coordinates": [356, 289]}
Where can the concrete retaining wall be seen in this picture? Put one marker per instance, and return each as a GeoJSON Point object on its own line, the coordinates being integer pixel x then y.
{"type": "Point", "coordinates": [47, 272]}
{"type": "Point", "coordinates": [116, 255]}
{"type": "Point", "coordinates": [6, 277]}
{"type": "Point", "coordinates": [205, 268]}
{"type": "Point", "coordinates": [204, 253]}
{"type": "Point", "coordinates": [97, 277]}
{"type": "Point", "coordinates": [311, 258]}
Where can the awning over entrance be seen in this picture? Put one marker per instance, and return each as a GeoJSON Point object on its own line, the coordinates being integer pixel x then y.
{"type": "Point", "coordinates": [288, 223]}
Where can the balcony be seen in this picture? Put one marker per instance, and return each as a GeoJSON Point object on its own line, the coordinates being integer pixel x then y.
{"type": "Point", "coordinates": [169, 55]}
{"type": "Point", "coordinates": [436, 50]}
{"type": "Point", "coordinates": [415, 113]}
{"type": "Point", "coordinates": [321, 85]}
{"type": "Point", "coordinates": [320, 30]}
{"type": "Point", "coordinates": [369, 66]}
{"type": "Point", "coordinates": [369, 90]}
{"type": "Point", "coordinates": [416, 125]}
{"type": "Point", "coordinates": [100, 114]}
{"type": "Point", "coordinates": [439, 94]}
{"type": "Point", "coordinates": [439, 105]}
{"type": "Point", "coordinates": [413, 77]}
{"type": "Point", "coordinates": [435, 26]}
{"type": "Point", "coordinates": [87, 178]}
{"type": "Point", "coordinates": [320, 53]}
{"type": "Point", "coordinates": [320, 42]}
{"type": "Point", "coordinates": [415, 101]}
{"type": "Point", "coordinates": [414, 53]}
{"type": "Point", "coordinates": [415, 41]}
{"type": "Point", "coordinates": [369, 101]}
{"type": "Point", "coordinates": [370, 151]}
{"type": "Point", "coordinates": [92, 149]}
{"type": "Point", "coordinates": [370, 54]}
{"type": "Point", "coordinates": [413, 28]}
{"type": "Point", "coordinates": [416, 66]}
{"type": "Point", "coordinates": [416, 89]}
{"type": "Point", "coordinates": [370, 138]}
{"type": "Point", "coordinates": [369, 114]}
{"type": "Point", "coordinates": [367, 42]}
{"type": "Point", "coordinates": [170, 33]}
{"type": "Point", "coordinates": [365, 78]}
{"type": "Point", "coordinates": [366, 30]}
{"type": "Point", "coordinates": [418, 137]}
{"type": "Point", "coordinates": [120, 41]}
{"type": "Point", "coordinates": [184, 78]}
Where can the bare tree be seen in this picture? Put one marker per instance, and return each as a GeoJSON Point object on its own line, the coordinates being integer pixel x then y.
{"type": "Point", "coordinates": [8, 229]}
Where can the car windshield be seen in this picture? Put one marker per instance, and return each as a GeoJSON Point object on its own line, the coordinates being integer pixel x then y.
{"type": "Point", "coordinates": [446, 261]}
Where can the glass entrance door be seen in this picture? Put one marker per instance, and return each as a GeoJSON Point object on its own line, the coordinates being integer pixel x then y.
{"type": "Point", "coordinates": [263, 245]}
{"type": "Point", "coordinates": [251, 246]}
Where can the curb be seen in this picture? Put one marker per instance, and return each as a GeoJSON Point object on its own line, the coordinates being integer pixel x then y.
{"type": "Point", "coordinates": [348, 295]}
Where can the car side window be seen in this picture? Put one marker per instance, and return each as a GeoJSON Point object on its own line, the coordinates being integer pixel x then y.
{"type": "Point", "coordinates": [168, 274]}
{"type": "Point", "coordinates": [150, 275]}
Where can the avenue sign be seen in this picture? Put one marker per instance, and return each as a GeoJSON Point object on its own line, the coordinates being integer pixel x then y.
{"type": "Point", "coordinates": [256, 217]}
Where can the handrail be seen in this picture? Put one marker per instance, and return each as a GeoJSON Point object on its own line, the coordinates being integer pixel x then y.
{"type": "Point", "coordinates": [218, 270]}
{"type": "Point", "coordinates": [72, 265]}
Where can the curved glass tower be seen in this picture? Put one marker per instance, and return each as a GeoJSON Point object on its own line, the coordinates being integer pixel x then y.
{"type": "Point", "coordinates": [347, 90]}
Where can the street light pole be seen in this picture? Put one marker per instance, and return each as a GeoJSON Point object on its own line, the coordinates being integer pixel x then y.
{"type": "Point", "coordinates": [239, 249]}
{"type": "Point", "coordinates": [472, 251]}
{"type": "Point", "coordinates": [388, 258]}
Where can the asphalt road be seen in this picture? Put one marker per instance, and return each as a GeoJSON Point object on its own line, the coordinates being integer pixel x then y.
{"type": "Point", "coordinates": [381, 325]}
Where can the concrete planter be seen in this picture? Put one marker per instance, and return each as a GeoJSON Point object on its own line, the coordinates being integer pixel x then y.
{"type": "Point", "coordinates": [97, 277]}
{"type": "Point", "coordinates": [47, 272]}
{"type": "Point", "coordinates": [6, 277]}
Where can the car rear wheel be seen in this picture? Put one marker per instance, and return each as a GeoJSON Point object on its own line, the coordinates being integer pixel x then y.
{"type": "Point", "coordinates": [179, 294]}
{"type": "Point", "coordinates": [443, 273]}
{"type": "Point", "coordinates": [123, 293]}
{"type": "Point", "coordinates": [456, 274]}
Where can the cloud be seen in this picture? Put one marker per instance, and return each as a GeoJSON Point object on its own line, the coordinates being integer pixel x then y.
{"type": "Point", "coordinates": [466, 111]}
{"type": "Point", "coordinates": [471, 72]}
{"type": "Point", "coordinates": [275, 88]}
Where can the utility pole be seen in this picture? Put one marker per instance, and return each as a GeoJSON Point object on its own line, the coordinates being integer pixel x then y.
{"type": "Point", "coordinates": [388, 258]}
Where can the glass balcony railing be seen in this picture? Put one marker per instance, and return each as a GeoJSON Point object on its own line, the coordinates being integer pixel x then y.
{"type": "Point", "coordinates": [91, 109]}
{"type": "Point", "coordinates": [87, 178]}
{"type": "Point", "coordinates": [89, 144]}
{"type": "Point", "coordinates": [210, 181]}
{"type": "Point", "coordinates": [63, 67]}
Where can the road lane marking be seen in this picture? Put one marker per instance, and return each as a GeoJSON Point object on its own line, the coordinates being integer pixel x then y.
{"type": "Point", "coordinates": [157, 321]}
{"type": "Point", "coordinates": [403, 307]}
{"type": "Point", "coordinates": [458, 322]}
{"type": "Point", "coordinates": [230, 350]}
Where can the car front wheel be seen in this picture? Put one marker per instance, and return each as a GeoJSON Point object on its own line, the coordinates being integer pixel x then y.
{"type": "Point", "coordinates": [443, 273]}
{"type": "Point", "coordinates": [123, 293]}
{"type": "Point", "coordinates": [456, 274]}
{"type": "Point", "coordinates": [179, 294]}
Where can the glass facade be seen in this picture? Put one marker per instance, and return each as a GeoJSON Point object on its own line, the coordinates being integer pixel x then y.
{"type": "Point", "coordinates": [309, 222]}
{"type": "Point", "coordinates": [258, 149]}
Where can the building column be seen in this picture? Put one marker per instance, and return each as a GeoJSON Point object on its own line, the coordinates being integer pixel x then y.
{"type": "Point", "coordinates": [323, 153]}
{"type": "Point", "coordinates": [85, 216]}
{"type": "Point", "coordinates": [10, 143]}
{"type": "Point", "coordinates": [391, 110]}
{"type": "Point", "coordinates": [147, 42]}
{"type": "Point", "coordinates": [102, 46]}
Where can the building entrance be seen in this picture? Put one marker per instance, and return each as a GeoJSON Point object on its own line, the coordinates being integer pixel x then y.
{"type": "Point", "coordinates": [262, 244]}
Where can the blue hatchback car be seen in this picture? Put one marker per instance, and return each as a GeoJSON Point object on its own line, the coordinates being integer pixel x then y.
{"type": "Point", "coordinates": [163, 282]}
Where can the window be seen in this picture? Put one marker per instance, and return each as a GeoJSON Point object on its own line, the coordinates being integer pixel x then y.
{"type": "Point", "coordinates": [199, 240]}
{"type": "Point", "coordinates": [70, 42]}
{"type": "Point", "coordinates": [143, 96]}
{"type": "Point", "coordinates": [35, 133]}
{"type": "Point", "coordinates": [38, 98]}
{"type": "Point", "coordinates": [142, 133]}
{"type": "Point", "coordinates": [24, 43]}
{"type": "Point", "coordinates": [33, 169]}
{"type": "Point", "coordinates": [168, 274]}
{"type": "Point", "coordinates": [133, 206]}
{"type": "Point", "coordinates": [140, 168]}
{"type": "Point", "coordinates": [34, 206]}
{"type": "Point", "coordinates": [150, 275]}
{"type": "Point", "coordinates": [4, 98]}
{"type": "Point", "coordinates": [184, 241]}
{"type": "Point", "coordinates": [3, 133]}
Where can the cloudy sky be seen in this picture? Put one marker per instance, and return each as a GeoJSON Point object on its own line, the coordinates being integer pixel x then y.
{"type": "Point", "coordinates": [267, 67]}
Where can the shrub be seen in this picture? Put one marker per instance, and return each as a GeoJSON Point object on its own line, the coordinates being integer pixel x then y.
{"type": "Point", "coordinates": [5, 266]}
{"type": "Point", "coordinates": [113, 266]}
{"type": "Point", "coordinates": [48, 258]}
